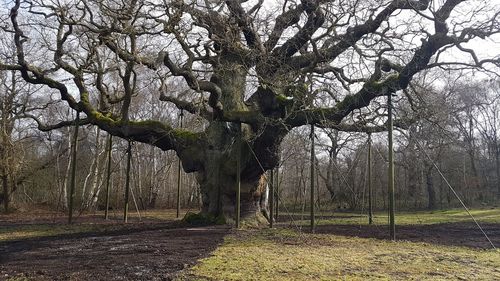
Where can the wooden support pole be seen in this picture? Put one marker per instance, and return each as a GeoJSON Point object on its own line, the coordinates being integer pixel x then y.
{"type": "Point", "coordinates": [127, 181]}
{"type": "Point", "coordinates": [392, 225]}
{"type": "Point", "coordinates": [73, 168]}
{"type": "Point", "coordinates": [369, 160]}
{"type": "Point", "coordinates": [108, 176]}
{"type": "Point", "coordinates": [271, 199]}
{"type": "Point", "coordinates": [277, 186]}
{"type": "Point", "coordinates": [238, 175]}
{"type": "Point", "coordinates": [312, 177]}
{"type": "Point", "coordinates": [179, 179]}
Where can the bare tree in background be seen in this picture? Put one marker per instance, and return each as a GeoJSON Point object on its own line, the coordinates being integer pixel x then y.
{"type": "Point", "coordinates": [489, 127]}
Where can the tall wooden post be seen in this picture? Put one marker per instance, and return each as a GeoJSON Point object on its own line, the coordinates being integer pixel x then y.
{"type": "Point", "coordinates": [238, 175]}
{"type": "Point", "coordinates": [392, 225]}
{"type": "Point", "coordinates": [312, 177]}
{"type": "Point", "coordinates": [108, 176]}
{"type": "Point", "coordinates": [73, 168]}
{"type": "Point", "coordinates": [369, 160]}
{"type": "Point", "coordinates": [127, 181]}
{"type": "Point", "coordinates": [271, 199]}
{"type": "Point", "coordinates": [179, 180]}
{"type": "Point", "coordinates": [277, 186]}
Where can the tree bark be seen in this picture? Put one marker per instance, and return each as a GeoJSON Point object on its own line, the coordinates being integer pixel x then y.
{"type": "Point", "coordinates": [74, 152]}
{"type": "Point", "coordinates": [127, 182]}
{"type": "Point", "coordinates": [66, 179]}
{"type": "Point", "coordinates": [216, 171]}
{"type": "Point", "coordinates": [5, 194]}
{"type": "Point", "coordinates": [219, 197]}
{"type": "Point", "coordinates": [95, 177]}
{"type": "Point", "coordinates": [108, 174]}
{"type": "Point", "coordinates": [497, 167]}
{"type": "Point", "coordinates": [330, 175]}
{"type": "Point", "coordinates": [431, 192]}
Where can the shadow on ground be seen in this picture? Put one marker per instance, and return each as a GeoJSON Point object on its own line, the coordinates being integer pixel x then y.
{"type": "Point", "coordinates": [144, 252]}
{"type": "Point", "coordinates": [450, 234]}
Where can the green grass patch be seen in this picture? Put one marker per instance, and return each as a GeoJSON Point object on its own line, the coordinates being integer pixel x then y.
{"type": "Point", "coordinates": [491, 215]}
{"type": "Point", "coordinates": [157, 214]}
{"type": "Point", "coordinates": [91, 224]}
{"type": "Point", "coordinates": [284, 254]}
{"type": "Point", "coordinates": [20, 232]}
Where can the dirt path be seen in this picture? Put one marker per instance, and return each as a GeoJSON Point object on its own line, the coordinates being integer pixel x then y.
{"type": "Point", "coordinates": [151, 253]}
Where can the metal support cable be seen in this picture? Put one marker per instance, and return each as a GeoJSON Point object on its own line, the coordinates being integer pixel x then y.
{"type": "Point", "coordinates": [453, 191]}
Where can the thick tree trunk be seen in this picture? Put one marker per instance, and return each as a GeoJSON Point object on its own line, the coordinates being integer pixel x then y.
{"type": "Point", "coordinates": [215, 163]}
{"type": "Point", "coordinates": [217, 179]}
{"type": "Point", "coordinates": [219, 197]}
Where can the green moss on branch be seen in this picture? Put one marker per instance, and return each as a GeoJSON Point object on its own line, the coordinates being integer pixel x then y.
{"type": "Point", "coordinates": [186, 135]}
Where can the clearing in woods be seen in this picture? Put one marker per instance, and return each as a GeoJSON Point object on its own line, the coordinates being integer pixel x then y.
{"type": "Point", "coordinates": [438, 245]}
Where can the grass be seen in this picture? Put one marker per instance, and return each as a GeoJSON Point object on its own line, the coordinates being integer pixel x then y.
{"type": "Point", "coordinates": [157, 214]}
{"type": "Point", "coordinates": [283, 254]}
{"type": "Point", "coordinates": [33, 229]}
{"type": "Point", "coordinates": [404, 218]}
{"type": "Point", "coordinates": [19, 232]}
{"type": "Point", "coordinates": [286, 254]}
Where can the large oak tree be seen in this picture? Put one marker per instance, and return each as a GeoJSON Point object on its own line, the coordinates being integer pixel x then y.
{"type": "Point", "coordinates": [270, 66]}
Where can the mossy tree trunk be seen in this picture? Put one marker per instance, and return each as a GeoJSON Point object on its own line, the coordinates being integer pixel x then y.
{"type": "Point", "coordinates": [215, 169]}
{"type": "Point", "coordinates": [217, 176]}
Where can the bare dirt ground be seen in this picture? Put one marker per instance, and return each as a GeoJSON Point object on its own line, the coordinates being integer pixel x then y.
{"type": "Point", "coordinates": [462, 234]}
{"type": "Point", "coordinates": [159, 249]}
{"type": "Point", "coordinates": [148, 250]}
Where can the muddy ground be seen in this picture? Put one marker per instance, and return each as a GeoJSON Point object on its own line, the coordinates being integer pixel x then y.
{"type": "Point", "coordinates": [147, 250]}
{"type": "Point", "coordinates": [450, 234]}
{"type": "Point", "coordinates": [160, 249]}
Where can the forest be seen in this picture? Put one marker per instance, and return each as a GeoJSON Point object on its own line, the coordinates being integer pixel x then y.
{"type": "Point", "coordinates": [218, 140]}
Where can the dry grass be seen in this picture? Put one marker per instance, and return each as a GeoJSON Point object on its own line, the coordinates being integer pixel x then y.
{"type": "Point", "coordinates": [490, 215]}
{"type": "Point", "coordinates": [45, 230]}
{"type": "Point", "coordinates": [288, 255]}
{"type": "Point", "coordinates": [25, 225]}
